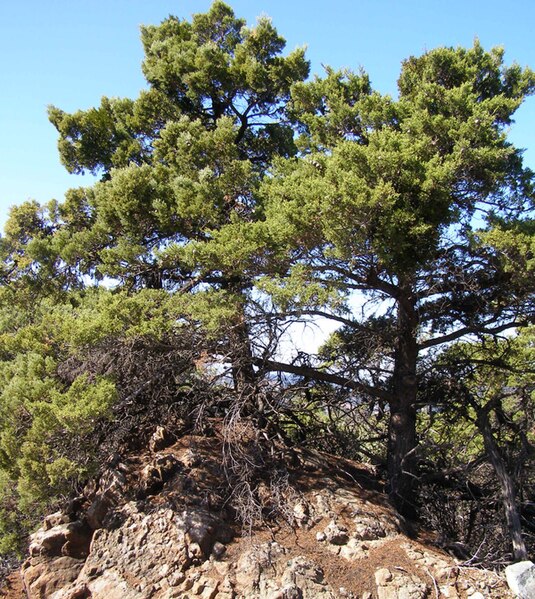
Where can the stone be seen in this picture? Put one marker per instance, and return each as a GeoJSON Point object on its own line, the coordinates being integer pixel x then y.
{"type": "Point", "coordinates": [383, 576]}
{"type": "Point", "coordinates": [209, 589]}
{"type": "Point", "coordinates": [171, 544]}
{"type": "Point", "coordinates": [335, 534]}
{"type": "Point", "coordinates": [97, 512]}
{"type": "Point", "coordinates": [42, 577]}
{"type": "Point", "coordinates": [176, 578]}
{"type": "Point", "coordinates": [355, 549]}
{"type": "Point", "coordinates": [521, 579]}
{"type": "Point", "coordinates": [218, 550]}
{"type": "Point", "coordinates": [369, 530]}
{"type": "Point", "coordinates": [399, 585]}
{"type": "Point", "coordinates": [160, 439]}
{"type": "Point", "coordinates": [55, 519]}
{"type": "Point", "coordinates": [72, 539]}
{"type": "Point", "coordinates": [78, 591]}
{"type": "Point", "coordinates": [301, 513]}
{"type": "Point", "coordinates": [291, 592]}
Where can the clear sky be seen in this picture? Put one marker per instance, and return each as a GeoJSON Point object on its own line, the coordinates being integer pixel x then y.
{"type": "Point", "coordinates": [71, 52]}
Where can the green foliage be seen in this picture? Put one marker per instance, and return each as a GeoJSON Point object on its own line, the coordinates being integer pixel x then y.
{"type": "Point", "coordinates": [48, 410]}
{"type": "Point", "coordinates": [399, 173]}
{"type": "Point", "coordinates": [104, 137]}
{"type": "Point", "coordinates": [235, 195]}
{"type": "Point", "coordinates": [38, 408]}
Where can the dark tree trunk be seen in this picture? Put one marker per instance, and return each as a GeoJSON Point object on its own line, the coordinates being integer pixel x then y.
{"type": "Point", "coordinates": [510, 507]}
{"type": "Point", "coordinates": [402, 425]}
{"type": "Point", "coordinates": [239, 345]}
{"type": "Point", "coordinates": [241, 356]}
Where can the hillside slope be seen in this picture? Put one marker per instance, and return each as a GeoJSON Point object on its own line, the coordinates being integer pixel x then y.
{"type": "Point", "coordinates": [158, 524]}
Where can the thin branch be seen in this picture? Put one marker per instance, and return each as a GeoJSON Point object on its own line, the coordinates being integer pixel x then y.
{"type": "Point", "coordinates": [325, 377]}
{"type": "Point", "coordinates": [470, 330]}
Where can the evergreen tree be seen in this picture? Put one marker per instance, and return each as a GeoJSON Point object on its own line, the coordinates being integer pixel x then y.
{"type": "Point", "coordinates": [176, 164]}
{"type": "Point", "coordinates": [181, 162]}
{"type": "Point", "coordinates": [485, 390]}
{"type": "Point", "coordinates": [235, 195]}
{"type": "Point", "coordinates": [419, 203]}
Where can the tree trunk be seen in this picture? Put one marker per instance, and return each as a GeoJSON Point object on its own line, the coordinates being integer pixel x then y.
{"type": "Point", "coordinates": [241, 357]}
{"type": "Point", "coordinates": [512, 515]}
{"type": "Point", "coordinates": [402, 425]}
{"type": "Point", "coordinates": [239, 344]}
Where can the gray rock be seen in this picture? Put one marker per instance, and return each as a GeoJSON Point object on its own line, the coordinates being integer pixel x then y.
{"type": "Point", "coordinates": [335, 534]}
{"type": "Point", "coordinates": [521, 579]}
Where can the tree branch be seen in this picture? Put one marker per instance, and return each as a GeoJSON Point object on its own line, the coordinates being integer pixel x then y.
{"type": "Point", "coordinates": [325, 377]}
{"type": "Point", "coordinates": [468, 330]}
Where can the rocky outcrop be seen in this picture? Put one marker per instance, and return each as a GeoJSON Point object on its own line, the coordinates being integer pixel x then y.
{"type": "Point", "coordinates": [154, 526]}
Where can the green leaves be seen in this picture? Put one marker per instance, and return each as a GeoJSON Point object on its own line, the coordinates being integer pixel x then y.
{"type": "Point", "coordinates": [100, 138]}
{"type": "Point", "coordinates": [330, 109]}
{"type": "Point", "coordinates": [234, 196]}
{"type": "Point", "coordinates": [215, 66]}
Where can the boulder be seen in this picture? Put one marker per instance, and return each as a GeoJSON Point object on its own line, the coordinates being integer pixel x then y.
{"type": "Point", "coordinates": [42, 577]}
{"type": "Point", "coordinates": [70, 539]}
{"type": "Point", "coordinates": [521, 579]}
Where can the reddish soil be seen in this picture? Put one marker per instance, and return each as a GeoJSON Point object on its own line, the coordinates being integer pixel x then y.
{"type": "Point", "coordinates": [11, 588]}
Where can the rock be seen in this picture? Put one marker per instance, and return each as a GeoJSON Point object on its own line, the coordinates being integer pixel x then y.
{"type": "Point", "coordinates": [290, 592]}
{"type": "Point", "coordinates": [48, 541]}
{"type": "Point", "coordinates": [71, 539]}
{"type": "Point", "coordinates": [218, 550]}
{"type": "Point", "coordinates": [54, 520]}
{"type": "Point", "coordinates": [521, 579]}
{"type": "Point", "coordinates": [323, 505]}
{"type": "Point", "coordinates": [42, 577]}
{"type": "Point", "coordinates": [476, 595]}
{"type": "Point", "coordinates": [383, 576]}
{"type": "Point", "coordinates": [399, 585]}
{"type": "Point", "coordinates": [113, 484]}
{"type": "Point", "coordinates": [176, 578]}
{"type": "Point", "coordinates": [97, 512]}
{"type": "Point", "coordinates": [78, 591]}
{"type": "Point", "coordinates": [355, 550]}
{"type": "Point", "coordinates": [156, 474]}
{"type": "Point", "coordinates": [160, 439]}
{"type": "Point", "coordinates": [301, 513]}
{"type": "Point", "coordinates": [266, 573]}
{"type": "Point", "coordinates": [335, 534]}
{"type": "Point", "coordinates": [152, 550]}
{"type": "Point", "coordinates": [369, 530]}
{"type": "Point", "coordinates": [173, 543]}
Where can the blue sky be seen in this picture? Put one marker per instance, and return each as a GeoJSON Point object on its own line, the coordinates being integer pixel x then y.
{"type": "Point", "coordinates": [71, 52]}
